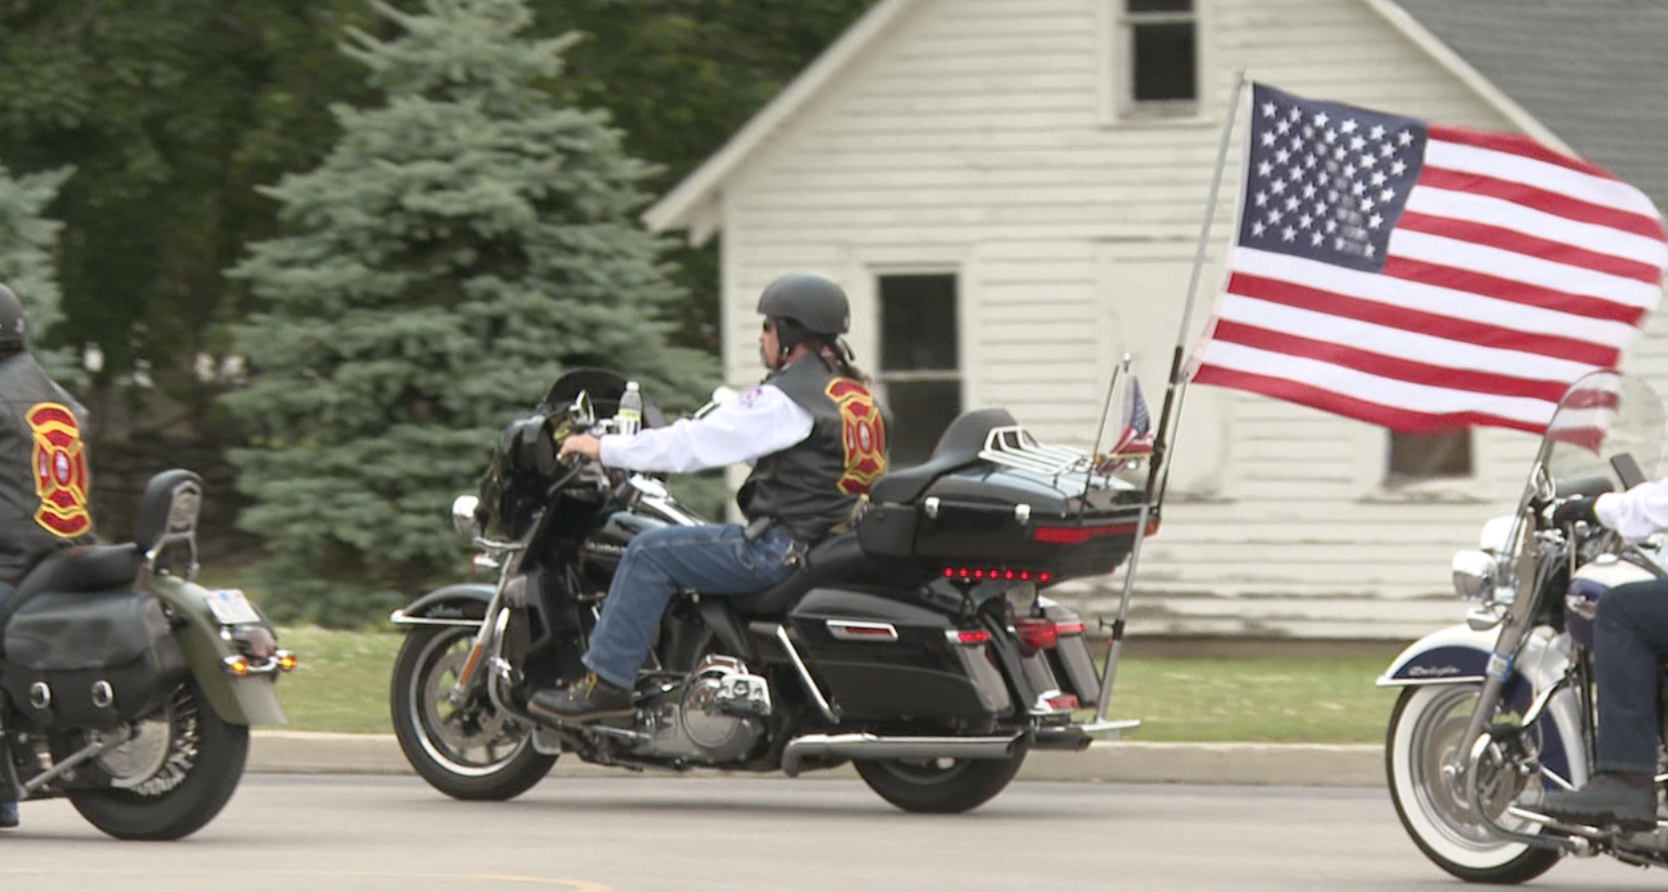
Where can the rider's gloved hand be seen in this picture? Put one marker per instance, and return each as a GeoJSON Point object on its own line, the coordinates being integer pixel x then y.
{"type": "Point", "coordinates": [1573, 511]}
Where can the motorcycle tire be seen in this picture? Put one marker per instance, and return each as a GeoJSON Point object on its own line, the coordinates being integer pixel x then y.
{"type": "Point", "coordinates": [939, 786]}
{"type": "Point", "coordinates": [172, 778]}
{"type": "Point", "coordinates": [470, 753]}
{"type": "Point", "coordinates": [1426, 730]}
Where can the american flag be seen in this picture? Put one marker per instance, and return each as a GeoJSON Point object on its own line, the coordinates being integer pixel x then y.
{"type": "Point", "coordinates": [1424, 277]}
{"type": "Point", "coordinates": [1136, 437]}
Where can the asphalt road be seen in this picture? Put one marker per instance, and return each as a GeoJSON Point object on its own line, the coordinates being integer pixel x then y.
{"type": "Point", "coordinates": [369, 833]}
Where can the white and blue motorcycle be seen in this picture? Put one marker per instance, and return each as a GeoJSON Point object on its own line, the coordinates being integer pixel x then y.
{"type": "Point", "coordinates": [1497, 711]}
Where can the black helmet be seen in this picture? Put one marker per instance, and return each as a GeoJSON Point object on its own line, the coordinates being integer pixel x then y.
{"type": "Point", "coordinates": [11, 322]}
{"type": "Point", "coordinates": [814, 304]}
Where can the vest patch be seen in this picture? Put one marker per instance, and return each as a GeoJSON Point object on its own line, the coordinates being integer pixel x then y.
{"type": "Point", "coordinates": [863, 435]}
{"type": "Point", "coordinates": [60, 464]}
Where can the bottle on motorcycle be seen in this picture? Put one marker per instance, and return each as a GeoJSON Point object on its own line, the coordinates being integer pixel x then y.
{"type": "Point", "coordinates": [629, 419]}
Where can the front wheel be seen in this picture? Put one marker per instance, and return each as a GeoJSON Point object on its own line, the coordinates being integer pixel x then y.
{"type": "Point", "coordinates": [1431, 790]}
{"type": "Point", "coordinates": [468, 750]}
{"type": "Point", "coordinates": [172, 777]}
{"type": "Point", "coordinates": [939, 786]}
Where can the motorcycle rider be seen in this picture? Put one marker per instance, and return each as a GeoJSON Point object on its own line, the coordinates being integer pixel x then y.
{"type": "Point", "coordinates": [43, 467]}
{"type": "Point", "coordinates": [816, 439]}
{"type": "Point", "coordinates": [1630, 633]}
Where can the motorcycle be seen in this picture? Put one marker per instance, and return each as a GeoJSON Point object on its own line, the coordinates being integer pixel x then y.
{"type": "Point", "coordinates": [916, 646]}
{"type": "Point", "coordinates": [1498, 711]}
{"type": "Point", "coordinates": [128, 688]}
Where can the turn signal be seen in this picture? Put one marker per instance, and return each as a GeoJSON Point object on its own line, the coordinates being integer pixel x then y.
{"type": "Point", "coordinates": [286, 661]}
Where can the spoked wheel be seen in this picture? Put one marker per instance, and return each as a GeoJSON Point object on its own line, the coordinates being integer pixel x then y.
{"type": "Point", "coordinates": [1430, 789]}
{"type": "Point", "coordinates": [172, 777]}
{"type": "Point", "coordinates": [939, 786]}
{"type": "Point", "coordinates": [468, 750]}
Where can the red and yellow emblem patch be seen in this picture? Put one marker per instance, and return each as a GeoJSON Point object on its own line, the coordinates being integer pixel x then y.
{"type": "Point", "coordinates": [864, 435]}
{"type": "Point", "coordinates": [60, 471]}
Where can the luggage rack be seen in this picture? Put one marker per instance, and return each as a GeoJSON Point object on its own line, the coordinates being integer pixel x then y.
{"type": "Point", "coordinates": [1014, 447]}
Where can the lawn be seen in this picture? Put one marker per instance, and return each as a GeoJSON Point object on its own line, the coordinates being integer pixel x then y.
{"type": "Point", "coordinates": [342, 685]}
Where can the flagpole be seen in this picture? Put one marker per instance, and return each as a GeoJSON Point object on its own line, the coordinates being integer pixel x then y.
{"type": "Point", "coordinates": [1172, 402]}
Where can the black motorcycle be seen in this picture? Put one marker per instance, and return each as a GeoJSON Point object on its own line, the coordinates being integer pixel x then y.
{"type": "Point", "coordinates": [127, 687]}
{"type": "Point", "coordinates": [916, 646]}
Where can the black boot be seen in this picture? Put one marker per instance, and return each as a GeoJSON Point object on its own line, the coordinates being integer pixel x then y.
{"type": "Point", "coordinates": [585, 700]}
{"type": "Point", "coordinates": [1626, 800]}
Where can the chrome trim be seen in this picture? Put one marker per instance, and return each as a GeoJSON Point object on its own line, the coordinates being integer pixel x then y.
{"type": "Point", "coordinates": [853, 630]}
{"type": "Point", "coordinates": [864, 745]}
{"type": "Point", "coordinates": [828, 712]}
{"type": "Point", "coordinates": [401, 618]}
{"type": "Point", "coordinates": [1014, 447]}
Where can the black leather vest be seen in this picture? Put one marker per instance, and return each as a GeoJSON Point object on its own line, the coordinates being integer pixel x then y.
{"type": "Point", "coordinates": [813, 485]}
{"type": "Point", "coordinates": [45, 480]}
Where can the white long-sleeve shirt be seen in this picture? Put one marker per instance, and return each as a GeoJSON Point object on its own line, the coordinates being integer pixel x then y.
{"type": "Point", "coordinates": [762, 422]}
{"type": "Point", "coordinates": [1637, 513]}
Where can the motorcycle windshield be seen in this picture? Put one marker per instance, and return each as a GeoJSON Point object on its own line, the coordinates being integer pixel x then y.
{"type": "Point", "coordinates": [1603, 416]}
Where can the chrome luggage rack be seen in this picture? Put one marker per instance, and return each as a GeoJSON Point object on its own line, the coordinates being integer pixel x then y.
{"type": "Point", "coordinates": [1014, 447]}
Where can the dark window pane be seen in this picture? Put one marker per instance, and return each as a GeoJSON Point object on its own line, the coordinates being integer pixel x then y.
{"type": "Point", "coordinates": [1164, 62]}
{"type": "Point", "coordinates": [921, 410]}
{"type": "Point", "coordinates": [1160, 6]}
{"type": "Point", "coordinates": [1443, 455]}
{"type": "Point", "coordinates": [918, 323]}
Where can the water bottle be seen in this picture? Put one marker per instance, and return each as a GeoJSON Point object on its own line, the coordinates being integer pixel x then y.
{"type": "Point", "coordinates": [629, 420]}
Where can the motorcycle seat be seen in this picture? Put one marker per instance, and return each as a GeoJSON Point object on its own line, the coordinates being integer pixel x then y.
{"type": "Point", "coordinates": [83, 568]}
{"type": "Point", "coordinates": [957, 447]}
{"type": "Point", "coordinates": [837, 559]}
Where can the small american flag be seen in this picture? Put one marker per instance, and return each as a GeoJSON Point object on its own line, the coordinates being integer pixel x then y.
{"type": "Point", "coordinates": [1424, 277]}
{"type": "Point", "coordinates": [1136, 436]}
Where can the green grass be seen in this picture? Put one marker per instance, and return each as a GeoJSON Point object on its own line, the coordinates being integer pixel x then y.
{"type": "Point", "coordinates": [342, 685]}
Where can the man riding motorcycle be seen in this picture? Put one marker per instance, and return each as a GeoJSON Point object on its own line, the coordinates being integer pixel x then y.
{"type": "Point", "coordinates": [817, 440]}
{"type": "Point", "coordinates": [44, 478]}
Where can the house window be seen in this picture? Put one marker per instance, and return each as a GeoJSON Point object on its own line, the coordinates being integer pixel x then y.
{"type": "Point", "coordinates": [1161, 55]}
{"type": "Point", "coordinates": [920, 370]}
{"type": "Point", "coordinates": [1415, 458]}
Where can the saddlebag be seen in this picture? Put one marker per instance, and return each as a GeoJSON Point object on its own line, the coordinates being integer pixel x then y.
{"type": "Point", "coordinates": [78, 660]}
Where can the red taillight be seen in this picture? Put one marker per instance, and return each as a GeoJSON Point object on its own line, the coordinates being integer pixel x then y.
{"type": "Point", "coordinates": [969, 573]}
{"type": "Point", "coordinates": [1068, 628]}
{"type": "Point", "coordinates": [967, 637]}
{"type": "Point", "coordinates": [1062, 702]}
{"type": "Point", "coordinates": [1036, 633]}
{"type": "Point", "coordinates": [1080, 535]}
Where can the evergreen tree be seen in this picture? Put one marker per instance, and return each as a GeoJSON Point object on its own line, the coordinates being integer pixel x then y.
{"type": "Point", "coordinates": [28, 241]}
{"type": "Point", "coordinates": [462, 244]}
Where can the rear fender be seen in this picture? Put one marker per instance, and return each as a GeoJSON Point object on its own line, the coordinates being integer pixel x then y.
{"type": "Point", "coordinates": [1460, 655]}
{"type": "Point", "coordinates": [246, 700]}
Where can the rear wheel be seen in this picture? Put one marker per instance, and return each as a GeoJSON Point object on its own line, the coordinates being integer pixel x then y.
{"type": "Point", "coordinates": [468, 750]}
{"type": "Point", "coordinates": [939, 786]}
{"type": "Point", "coordinates": [1431, 791]}
{"type": "Point", "coordinates": [172, 777]}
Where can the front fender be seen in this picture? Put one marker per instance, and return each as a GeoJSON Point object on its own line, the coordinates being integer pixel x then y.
{"type": "Point", "coordinates": [463, 604]}
{"type": "Point", "coordinates": [1460, 655]}
{"type": "Point", "coordinates": [249, 700]}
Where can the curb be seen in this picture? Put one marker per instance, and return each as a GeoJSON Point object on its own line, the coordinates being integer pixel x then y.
{"type": "Point", "coordinates": [1126, 761]}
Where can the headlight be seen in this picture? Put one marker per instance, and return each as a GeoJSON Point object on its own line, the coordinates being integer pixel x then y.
{"type": "Point", "coordinates": [463, 516]}
{"type": "Point", "coordinates": [1473, 573]}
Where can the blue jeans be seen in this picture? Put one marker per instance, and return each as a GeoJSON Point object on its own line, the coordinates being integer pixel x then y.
{"type": "Point", "coordinates": [714, 559]}
{"type": "Point", "coordinates": [1630, 632]}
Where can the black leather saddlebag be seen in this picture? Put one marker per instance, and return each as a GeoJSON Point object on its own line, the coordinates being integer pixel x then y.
{"type": "Point", "coordinates": [89, 660]}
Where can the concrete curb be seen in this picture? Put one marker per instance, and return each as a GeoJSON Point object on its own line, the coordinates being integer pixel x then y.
{"type": "Point", "coordinates": [1125, 761]}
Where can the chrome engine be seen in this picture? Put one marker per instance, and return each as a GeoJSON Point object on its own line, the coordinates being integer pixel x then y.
{"type": "Point", "coordinates": [713, 717]}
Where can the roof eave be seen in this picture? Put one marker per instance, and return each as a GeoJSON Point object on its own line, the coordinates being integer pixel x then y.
{"type": "Point", "coordinates": [1404, 21]}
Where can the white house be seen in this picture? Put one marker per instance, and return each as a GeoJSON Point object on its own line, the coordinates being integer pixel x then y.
{"type": "Point", "coordinates": [1013, 193]}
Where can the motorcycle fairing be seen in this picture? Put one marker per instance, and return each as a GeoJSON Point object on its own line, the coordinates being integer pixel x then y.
{"type": "Point", "coordinates": [1460, 655]}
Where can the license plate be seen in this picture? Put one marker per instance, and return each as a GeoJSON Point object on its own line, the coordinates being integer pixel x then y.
{"type": "Point", "coordinates": [231, 608]}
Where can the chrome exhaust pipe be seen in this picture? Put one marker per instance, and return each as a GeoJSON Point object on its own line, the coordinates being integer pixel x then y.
{"type": "Point", "coordinates": [871, 746]}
